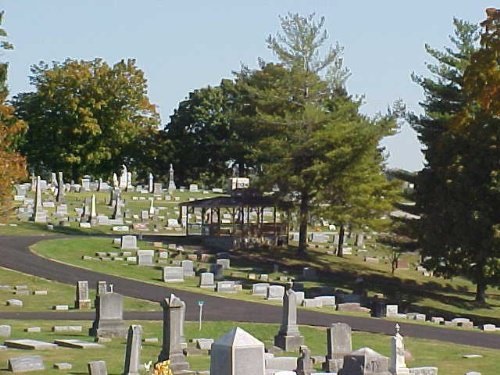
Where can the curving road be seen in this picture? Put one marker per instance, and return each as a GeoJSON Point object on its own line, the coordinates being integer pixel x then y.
{"type": "Point", "coordinates": [15, 254]}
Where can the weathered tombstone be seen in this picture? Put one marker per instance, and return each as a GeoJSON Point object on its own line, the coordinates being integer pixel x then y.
{"type": "Point", "coordinates": [304, 362]}
{"type": "Point", "coordinates": [207, 280]}
{"type": "Point", "coordinates": [39, 215]}
{"type": "Point", "coordinates": [117, 213]}
{"type": "Point", "coordinates": [60, 188]}
{"type": "Point", "coordinates": [150, 183]}
{"type": "Point", "coordinates": [5, 330]}
{"type": "Point", "coordinates": [102, 288]}
{"type": "Point", "coordinates": [123, 184]}
{"type": "Point", "coordinates": [82, 295]}
{"type": "Point", "coordinates": [275, 292]}
{"type": "Point", "coordinates": [339, 344]}
{"type": "Point", "coordinates": [188, 268]}
{"type": "Point", "coordinates": [397, 363]}
{"type": "Point", "coordinates": [97, 368]}
{"type": "Point", "coordinates": [173, 274]}
{"type": "Point", "coordinates": [129, 242]}
{"type": "Point", "coordinates": [237, 353]}
{"type": "Point", "coordinates": [226, 287]}
{"type": "Point", "coordinates": [26, 363]}
{"type": "Point", "coordinates": [365, 361]}
{"type": "Point", "coordinates": [172, 335]}
{"type": "Point", "coordinates": [133, 351]}
{"type": "Point", "coordinates": [171, 182]}
{"type": "Point", "coordinates": [225, 263]}
{"type": "Point", "coordinates": [145, 257]}
{"type": "Point", "coordinates": [359, 241]}
{"type": "Point", "coordinates": [108, 322]}
{"type": "Point", "coordinates": [157, 188]}
{"type": "Point", "coordinates": [288, 337]}
{"type": "Point", "coordinates": [260, 289]}
{"type": "Point", "coordinates": [391, 311]}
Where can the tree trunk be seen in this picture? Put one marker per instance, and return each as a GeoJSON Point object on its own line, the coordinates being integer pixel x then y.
{"type": "Point", "coordinates": [303, 220]}
{"type": "Point", "coordinates": [481, 291]}
{"type": "Point", "coordinates": [340, 246]}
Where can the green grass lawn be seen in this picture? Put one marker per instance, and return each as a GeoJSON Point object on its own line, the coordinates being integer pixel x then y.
{"type": "Point", "coordinates": [433, 295]}
{"type": "Point", "coordinates": [57, 294]}
{"type": "Point", "coordinates": [423, 352]}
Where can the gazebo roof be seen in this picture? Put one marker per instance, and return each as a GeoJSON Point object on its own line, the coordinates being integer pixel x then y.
{"type": "Point", "coordinates": [239, 198]}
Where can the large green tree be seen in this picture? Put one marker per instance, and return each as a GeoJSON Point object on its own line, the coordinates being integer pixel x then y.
{"type": "Point", "coordinates": [12, 164]}
{"type": "Point", "coordinates": [312, 138]}
{"type": "Point", "coordinates": [87, 117]}
{"type": "Point", "coordinates": [457, 192]}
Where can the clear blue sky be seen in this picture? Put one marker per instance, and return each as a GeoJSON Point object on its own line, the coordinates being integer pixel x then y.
{"type": "Point", "coordinates": [184, 45]}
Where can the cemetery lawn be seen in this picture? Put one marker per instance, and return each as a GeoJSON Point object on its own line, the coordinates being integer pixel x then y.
{"type": "Point", "coordinates": [57, 294]}
{"type": "Point", "coordinates": [423, 352]}
{"type": "Point", "coordinates": [408, 288]}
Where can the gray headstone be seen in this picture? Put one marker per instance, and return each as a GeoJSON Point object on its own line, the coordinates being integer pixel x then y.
{"type": "Point", "coordinates": [226, 287]}
{"type": "Point", "coordinates": [275, 292]}
{"type": "Point", "coordinates": [304, 363]}
{"type": "Point", "coordinates": [173, 274]}
{"type": "Point", "coordinates": [188, 268]}
{"type": "Point", "coordinates": [172, 335]}
{"type": "Point", "coordinates": [145, 257]}
{"type": "Point", "coordinates": [133, 351]}
{"type": "Point", "coordinates": [26, 363]}
{"type": "Point", "coordinates": [260, 289]}
{"type": "Point", "coordinates": [82, 295]}
{"type": "Point", "coordinates": [339, 343]}
{"type": "Point", "coordinates": [97, 368]}
{"type": "Point", "coordinates": [365, 361]}
{"type": "Point", "coordinates": [5, 330]}
{"type": "Point", "coordinates": [237, 353]}
{"type": "Point", "coordinates": [288, 337]}
{"type": "Point", "coordinates": [207, 280]}
{"type": "Point", "coordinates": [226, 263]}
{"type": "Point", "coordinates": [109, 316]}
{"type": "Point", "coordinates": [129, 242]}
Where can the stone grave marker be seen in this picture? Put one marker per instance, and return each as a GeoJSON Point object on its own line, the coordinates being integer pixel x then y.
{"type": "Point", "coordinates": [145, 257]}
{"type": "Point", "coordinates": [172, 335]}
{"type": "Point", "coordinates": [173, 274]}
{"type": "Point", "coordinates": [29, 344]}
{"type": "Point", "coordinates": [188, 268]}
{"type": "Point", "coordinates": [5, 330]}
{"type": "Point", "coordinates": [133, 351]}
{"type": "Point", "coordinates": [207, 280]}
{"type": "Point", "coordinates": [225, 263]}
{"type": "Point", "coordinates": [82, 295]}
{"type": "Point", "coordinates": [275, 292]}
{"type": "Point", "coordinates": [288, 337]}
{"type": "Point", "coordinates": [97, 368]}
{"type": "Point", "coordinates": [339, 344]}
{"type": "Point", "coordinates": [226, 287]}
{"type": "Point", "coordinates": [26, 363]}
{"type": "Point", "coordinates": [365, 361]}
{"type": "Point", "coordinates": [260, 289]}
{"type": "Point", "coordinates": [129, 242]}
{"type": "Point", "coordinates": [108, 322]}
{"type": "Point", "coordinates": [237, 353]}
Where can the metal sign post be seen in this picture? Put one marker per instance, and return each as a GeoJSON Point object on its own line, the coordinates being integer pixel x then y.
{"type": "Point", "coordinates": [200, 304]}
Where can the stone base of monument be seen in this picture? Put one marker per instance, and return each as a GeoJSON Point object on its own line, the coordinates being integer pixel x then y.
{"type": "Point", "coordinates": [109, 329]}
{"type": "Point", "coordinates": [178, 363]}
{"type": "Point", "coordinates": [288, 343]}
{"type": "Point", "coordinates": [333, 365]}
{"type": "Point", "coordinates": [83, 304]}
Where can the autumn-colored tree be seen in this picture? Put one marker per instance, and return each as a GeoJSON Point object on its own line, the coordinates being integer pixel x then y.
{"type": "Point", "coordinates": [12, 164]}
{"type": "Point", "coordinates": [87, 117]}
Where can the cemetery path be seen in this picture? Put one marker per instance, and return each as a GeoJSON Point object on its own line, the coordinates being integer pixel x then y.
{"type": "Point", "coordinates": [15, 254]}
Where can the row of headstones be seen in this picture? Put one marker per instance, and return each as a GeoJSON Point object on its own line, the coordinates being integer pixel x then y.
{"type": "Point", "coordinates": [392, 311]}
{"type": "Point", "coordinates": [328, 237]}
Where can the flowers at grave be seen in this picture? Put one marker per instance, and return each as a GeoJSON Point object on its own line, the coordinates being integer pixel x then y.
{"type": "Point", "coordinates": [162, 368]}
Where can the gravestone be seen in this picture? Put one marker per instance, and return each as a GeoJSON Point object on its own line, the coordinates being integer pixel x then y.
{"type": "Point", "coordinates": [60, 188]}
{"type": "Point", "coordinates": [260, 289]}
{"type": "Point", "coordinates": [129, 242]}
{"type": "Point", "coordinates": [365, 361]}
{"type": "Point", "coordinates": [207, 280]}
{"type": "Point", "coordinates": [397, 364]}
{"type": "Point", "coordinates": [39, 215]}
{"type": "Point", "coordinates": [82, 295]}
{"type": "Point", "coordinates": [173, 274]}
{"type": "Point", "coordinates": [226, 287]}
{"type": "Point", "coordinates": [150, 183]}
{"type": "Point", "coordinates": [225, 263]}
{"type": "Point", "coordinates": [339, 344]}
{"type": "Point", "coordinates": [97, 368]}
{"type": "Point", "coordinates": [145, 257]}
{"type": "Point", "coordinates": [188, 268]}
{"type": "Point", "coordinates": [133, 352]}
{"type": "Point", "coordinates": [304, 363]}
{"type": "Point", "coordinates": [237, 353]}
{"type": "Point", "coordinates": [172, 335]}
{"type": "Point", "coordinates": [391, 311]}
{"type": "Point", "coordinates": [157, 188]}
{"type": "Point", "coordinates": [5, 330]}
{"type": "Point", "coordinates": [108, 322]}
{"type": "Point", "coordinates": [26, 363]}
{"type": "Point", "coordinates": [288, 337]}
{"type": "Point", "coordinates": [171, 182]}
{"type": "Point", "coordinates": [275, 292]}
{"type": "Point", "coordinates": [102, 288]}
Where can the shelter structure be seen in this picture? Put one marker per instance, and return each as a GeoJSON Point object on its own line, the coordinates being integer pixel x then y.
{"type": "Point", "coordinates": [245, 216]}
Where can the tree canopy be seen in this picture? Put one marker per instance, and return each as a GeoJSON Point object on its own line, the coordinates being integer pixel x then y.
{"type": "Point", "coordinates": [87, 117]}
{"type": "Point", "coordinates": [457, 193]}
{"type": "Point", "coordinates": [12, 164]}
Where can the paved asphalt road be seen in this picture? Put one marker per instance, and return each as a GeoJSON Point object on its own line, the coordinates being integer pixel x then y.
{"type": "Point", "coordinates": [14, 254]}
